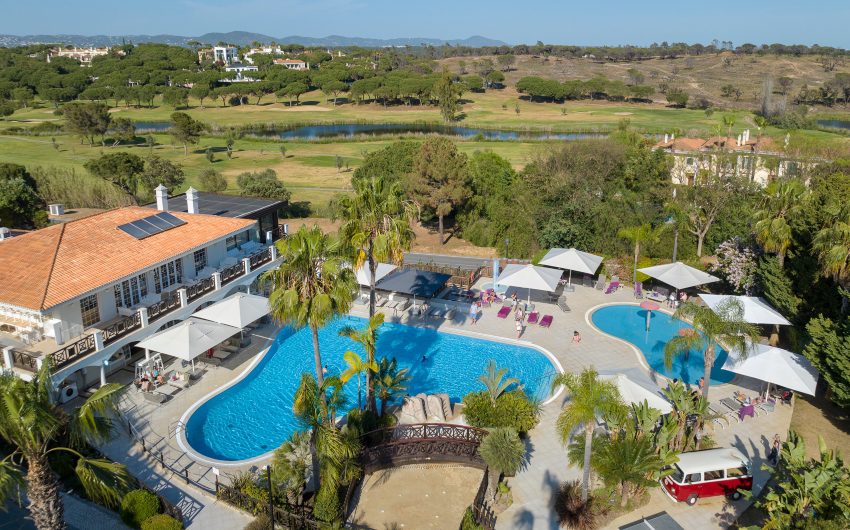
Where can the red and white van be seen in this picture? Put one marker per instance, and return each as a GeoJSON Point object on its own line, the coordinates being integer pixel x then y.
{"type": "Point", "coordinates": [709, 473]}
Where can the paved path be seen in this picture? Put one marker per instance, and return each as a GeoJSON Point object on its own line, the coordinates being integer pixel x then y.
{"type": "Point", "coordinates": [80, 514]}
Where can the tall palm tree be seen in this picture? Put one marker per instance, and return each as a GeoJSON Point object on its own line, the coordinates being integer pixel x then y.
{"type": "Point", "coordinates": [639, 235]}
{"type": "Point", "coordinates": [781, 201]}
{"type": "Point", "coordinates": [311, 286]}
{"type": "Point", "coordinates": [677, 217]}
{"type": "Point", "coordinates": [589, 397]}
{"type": "Point", "coordinates": [356, 367]}
{"type": "Point", "coordinates": [832, 245]}
{"type": "Point", "coordinates": [366, 337]}
{"type": "Point", "coordinates": [495, 381]}
{"type": "Point", "coordinates": [33, 426]}
{"type": "Point", "coordinates": [377, 223]}
{"type": "Point", "coordinates": [503, 452]}
{"type": "Point", "coordinates": [724, 325]}
{"type": "Point", "coordinates": [390, 381]}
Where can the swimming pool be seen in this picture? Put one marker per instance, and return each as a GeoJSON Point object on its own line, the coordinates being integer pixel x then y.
{"type": "Point", "coordinates": [254, 416]}
{"type": "Point", "coordinates": [628, 322]}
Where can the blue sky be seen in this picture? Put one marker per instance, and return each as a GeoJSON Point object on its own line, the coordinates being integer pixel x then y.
{"type": "Point", "coordinates": [564, 22]}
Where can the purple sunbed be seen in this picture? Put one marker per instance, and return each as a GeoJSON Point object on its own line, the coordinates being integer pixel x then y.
{"type": "Point", "coordinates": [532, 317]}
{"type": "Point", "coordinates": [546, 321]}
{"type": "Point", "coordinates": [613, 286]}
{"type": "Point", "coordinates": [504, 311]}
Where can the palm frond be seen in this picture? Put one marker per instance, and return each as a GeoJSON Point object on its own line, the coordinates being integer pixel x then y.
{"type": "Point", "coordinates": [10, 480]}
{"type": "Point", "coordinates": [104, 481]}
{"type": "Point", "coordinates": [92, 422]}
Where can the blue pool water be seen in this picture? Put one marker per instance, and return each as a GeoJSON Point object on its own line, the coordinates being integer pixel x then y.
{"type": "Point", "coordinates": [255, 415]}
{"type": "Point", "coordinates": [628, 322]}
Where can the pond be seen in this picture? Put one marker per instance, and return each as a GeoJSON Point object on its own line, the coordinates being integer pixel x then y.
{"type": "Point", "coordinates": [835, 124]}
{"type": "Point", "coordinates": [314, 132]}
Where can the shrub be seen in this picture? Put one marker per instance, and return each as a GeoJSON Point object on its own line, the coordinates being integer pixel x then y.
{"type": "Point", "coordinates": [162, 522]}
{"type": "Point", "coordinates": [513, 409]}
{"type": "Point", "coordinates": [468, 522]}
{"type": "Point", "coordinates": [138, 506]}
{"type": "Point", "coordinates": [261, 522]}
{"type": "Point", "coordinates": [327, 507]}
{"type": "Point", "coordinates": [572, 512]}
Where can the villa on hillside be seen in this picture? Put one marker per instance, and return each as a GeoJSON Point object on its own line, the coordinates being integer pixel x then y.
{"type": "Point", "coordinates": [219, 54]}
{"type": "Point", "coordinates": [268, 50]}
{"type": "Point", "coordinates": [84, 292]}
{"type": "Point", "coordinates": [759, 159]}
{"type": "Point", "coordinates": [83, 55]}
{"type": "Point", "coordinates": [240, 68]}
{"type": "Point", "coordinates": [292, 64]}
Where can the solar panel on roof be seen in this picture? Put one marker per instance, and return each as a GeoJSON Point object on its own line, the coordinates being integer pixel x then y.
{"type": "Point", "coordinates": [151, 225]}
{"type": "Point", "coordinates": [167, 217]}
{"type": "Point", "coordinates": [133, 231]}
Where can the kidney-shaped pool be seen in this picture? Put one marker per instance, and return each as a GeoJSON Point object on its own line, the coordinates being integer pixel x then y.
{"type": "Point", "coordinates": [254, 415]}
{"type": "Point", "coordinates": [628, 322]}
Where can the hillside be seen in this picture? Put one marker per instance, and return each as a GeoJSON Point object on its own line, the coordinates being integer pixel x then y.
{"type": "Point", "coordinates": [700, 76]}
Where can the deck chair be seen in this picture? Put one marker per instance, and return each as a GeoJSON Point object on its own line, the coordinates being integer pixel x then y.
{"type": "Point", "coordinates": [533, 317]}
{"type": "Point", "coordinates": [562, 304]}
{"type": "Point", "coordinates": [504, 311]}
{"type": "Point", "coordinates": [546, 321]}
{"type": "Point", "coordinates": [600, 284]}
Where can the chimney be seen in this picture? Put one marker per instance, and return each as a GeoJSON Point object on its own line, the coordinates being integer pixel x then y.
{"type": "Point", "coordinates": [192, 201]}
{"type": "Point", "coordinates": [56, 209]}
{"type": "Point", "coordinates": [666, 138]}
{"type": "Point", "coordinates": [161, 198]}
{"type": "Point", "coordinates": [739, 140]}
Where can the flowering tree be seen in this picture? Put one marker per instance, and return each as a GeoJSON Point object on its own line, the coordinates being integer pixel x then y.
{"type": "Point", "coordinates": [736, 263]}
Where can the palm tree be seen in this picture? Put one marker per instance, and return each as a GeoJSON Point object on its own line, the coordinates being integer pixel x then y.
{"type": "Point", "coordinates": [32, 425]}
{"type": "Point", "coordinates": [590, 397]}
{"type": "Point", "coordinates": [724, 325]}
{"type": "Point", "coordinates": [683, 406]}
{"type": "Point", "coordinates": [311, 286]}
{"type": "Point", "coordinates": [495, 381]}
{"type": "Point", "coordinates": [832, 245]}
{"type": "Point", "coordinates": [639, 235]}
{"type": "Point", "coordinates": [677, 218]}
{"type": "Point", "coordinates": [356, 366]}
{"type": "Point", "coordinates": [503, 452]}
{"type": "Point", "coordinates": [377, 224]}
{"type": "Point", "coordinates": [781, 201]}
{"type": "Point", "coordinates": [627, 465]}
{"type": "Point", "coordinates": [761, 122]}
{"type": "Point", "coordinates": [390, 381]}
{"type": "Point", "coordinates": [367, 337]}
{"type": "Point", "coordinates": [315, 404]}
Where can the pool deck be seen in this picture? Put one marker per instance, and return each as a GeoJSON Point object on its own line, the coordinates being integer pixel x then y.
{"type": "Point", "coordinates": [533, 486]}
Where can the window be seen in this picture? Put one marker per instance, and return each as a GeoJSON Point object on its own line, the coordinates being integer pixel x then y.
{"type": "Point", "coordinates": [131, 292]}
{"type": "Point", "coordinates": [200, 259]}
{"type": "Point", "coordinates": [713, 475]}
{"type": "Point", "coordinates": [736, 472]}
{"type": "Point", "coordinates": [231, 242]}
{"type": "Point", "coordinates": [167, 275]}
{"type": "Point", "coordinates": [90, 313]}
{"type": "Point", "coordinates": [242, 238]}
{"type": "Point", "coordinates": [689, 161]}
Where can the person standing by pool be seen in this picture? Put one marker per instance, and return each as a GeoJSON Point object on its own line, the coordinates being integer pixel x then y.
{"type": "Point", "coordinates": [774, 450]}
{"type": "Point", "coordinates": [474, 311]}
{"type": "Point", "coordinates": [514, 300]}
{"type": "Point", "coordinates": [518, 328]}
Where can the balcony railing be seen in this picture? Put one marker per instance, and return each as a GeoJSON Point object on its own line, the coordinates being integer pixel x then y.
{"type": "Point", "coordinates": [73, 351]}
{"type": "Point", "coordinates": [25, 361]}
{"type": "Point", "coordinates": [231, 273]}
{"type": "Point", "coordinates": [260, 258]}
{"type": "Point", "coordinates": [200, 289]}
{"type": "Point", "coordinates": [122, 327]}
{"type": "Point", "coordinates": [168, 304]}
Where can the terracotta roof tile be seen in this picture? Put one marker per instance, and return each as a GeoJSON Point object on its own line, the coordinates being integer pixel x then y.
{"type": "Point", "coordinates": [47, 267]}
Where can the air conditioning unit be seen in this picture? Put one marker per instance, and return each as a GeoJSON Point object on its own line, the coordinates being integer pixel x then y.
{"type": "Point", "coordinates": [56, 209]}
{"type": "Point", "coordinates": [68, 392]}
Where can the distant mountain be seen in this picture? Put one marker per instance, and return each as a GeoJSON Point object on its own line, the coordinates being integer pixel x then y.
{"type": "Point", "coordinates": [240, 38]}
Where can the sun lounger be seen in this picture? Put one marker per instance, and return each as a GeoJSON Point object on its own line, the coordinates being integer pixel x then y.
{"type": "Point", "coordinates": [562, 304]}
{"type": "Point", "coordinates": [504, 311]}
{"type": "Point", "coordinates": [380, 301]}
{"type": "Point", "coordinates": [655, 296]}
{"type": "Point", "coordinates": [546, 321]}
{"type": "Point", "coordinates": [533, 317]}
{"type": "Point", "coordinates": [450, 314]}
{"type": "Point", "coordinates": [436, 313]}
{"type": "Point", "coordinates": [612, 287]}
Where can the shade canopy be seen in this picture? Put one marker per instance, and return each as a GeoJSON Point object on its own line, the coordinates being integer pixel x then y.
{"type": "Point", "coordinates": [679, 275]}
{"type": "Point", "coordinates": [633, 392]}
{"type": "Point", "coordinates": [425, 284]}
{"type": "Point", "coordinates": [530, 277]}
{"type": "Point", "coordinates": [237, 310]}
{"type": "Point", "coordinates": [189, 338]}
{"type": "Point", "coordinates": [775, 365]}
{"type": "Point", "coordinates": [572, 259]}
{"type": "Point", "coordinates": [756, 310]}
{"type": "Point", "coordinates": [364, 275]}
